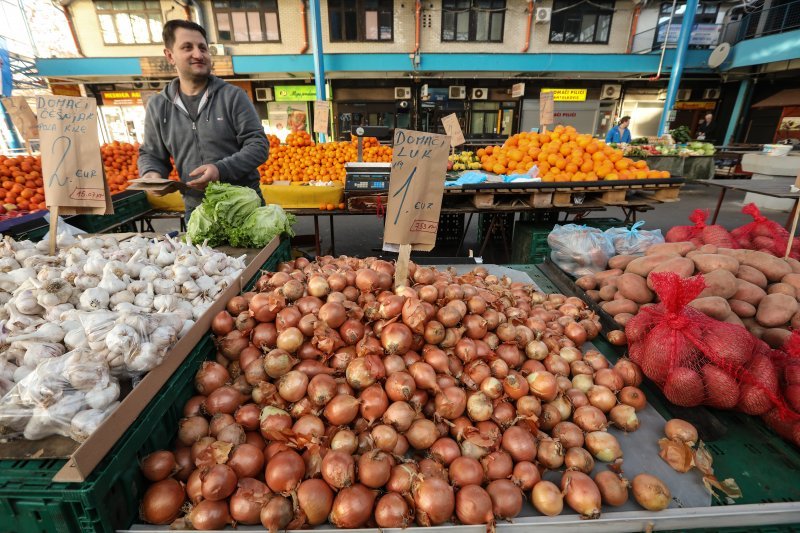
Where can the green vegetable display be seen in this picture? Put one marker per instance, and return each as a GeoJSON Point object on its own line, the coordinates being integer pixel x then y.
{"type": "Point", "coordinates": [234, 214]}
{"type": "Point", "coordinates": [681, 134]}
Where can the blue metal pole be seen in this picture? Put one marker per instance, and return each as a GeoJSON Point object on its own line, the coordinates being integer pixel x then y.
{"type": "Point", "coordinates": [741, 96]}
{"type": "Point", "coordinates": [319, 57]}
{"type": "Point", "coordinates": [681, 50]}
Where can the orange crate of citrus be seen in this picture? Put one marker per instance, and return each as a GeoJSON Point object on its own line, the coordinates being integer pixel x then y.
{"type": "Point", "coordinates": [564, 155]}
{"type": "Point", "coordinates": [22, 183]}
{"type": "Point", "coordinates": [300, 160]}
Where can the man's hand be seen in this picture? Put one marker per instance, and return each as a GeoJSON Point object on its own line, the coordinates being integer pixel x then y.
{"type": "Point", "coordinates": [155, 175]}
{"type": "Point", "coordinates": [205, 174]}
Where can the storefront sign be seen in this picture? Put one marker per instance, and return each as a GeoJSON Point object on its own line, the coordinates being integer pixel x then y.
{"type": "Point", "coordinates": [567, 95]}
{"type": "Point", "coordinates": [695, 105]}
{"type": "Point", "coordinates": [65, 89]}
{"type": "Point", "coordinates": [295, 93]}
{"type": "Point", "coordinates": [546, 108]}
{"type": "Point", "coordinates": [416, 186]}
{"type": "Point", "coordinates": [322, 113]}
{"type": "Point", "coordinates": [72, 168]}
{"type": "Point", "coordinates": [517, 90]}
{"type": "Point", "coordinates": [22, 116]}
{"type": "Point", "coordinates": [453, 129]}
{"type": "Point", "coordinates": [702, 34]}
{"type": "Point", "coordinates": [121, 97]}
{"type": "Point", "coordinates": [159, 67]}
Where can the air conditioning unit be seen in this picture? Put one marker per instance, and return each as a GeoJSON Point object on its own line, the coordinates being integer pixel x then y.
{"type": "Point", "coordinates": [156, 85]}
{"type": "Point", "coordinates": [264, 94]}
{"type": "Point", "coordinates": [402, 93]}
{"type": "Point", "coordinates": [711, 94]}
{"type": "Point", "coordinates": [543, 14]}
{"type": "Point", "coordinates": [480, 93]}
{"type": "Point", "coordinates": [423, 92]}
{"type": "Point", "coordinates": [457, 92]}
{"type": "Point", "coordinates": [684, 94]}
{"type": "Point", "coordinates": [216, 49]}
{"type": "Point", "coordinates": [611, 91]}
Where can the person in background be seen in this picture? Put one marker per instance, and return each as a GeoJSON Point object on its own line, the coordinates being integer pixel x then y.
{"type": "Point", "coordinates": [705, 128]}
{"type": "Point", "coordinates": [209, 127]}
{"type": "Point", "coordinates": [620, 133]}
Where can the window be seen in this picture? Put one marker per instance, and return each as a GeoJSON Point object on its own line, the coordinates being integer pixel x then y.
{"type": "Point", "coordinates": [130, 22]}
{"type": "Point", "coordinates": [473, 20]}
{"type": "Point", "coordinates": [361, 20]}
{"type": "Point", "coordinates": [706, 14]}
{"type": "Point", "coordinates": [581, 21]}
{"type": "Point", "coordinates": [247, 21]}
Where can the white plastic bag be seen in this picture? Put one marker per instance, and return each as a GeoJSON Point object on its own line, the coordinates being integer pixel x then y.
{"type": "Point", "coordinates": [634, 241]}
{"type": "Point", "coordinates": [579, 250]}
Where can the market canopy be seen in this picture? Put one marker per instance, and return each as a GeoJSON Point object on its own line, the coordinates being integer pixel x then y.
{"type": "Point", "coordinates": [787, 97]}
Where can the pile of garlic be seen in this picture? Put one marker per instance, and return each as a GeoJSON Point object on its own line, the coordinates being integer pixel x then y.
{"type": "Point", "coordinates": [114, 307]}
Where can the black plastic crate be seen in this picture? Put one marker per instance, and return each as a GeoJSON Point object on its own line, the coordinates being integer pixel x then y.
{"type": "Point", "coordinates": [451, 227]}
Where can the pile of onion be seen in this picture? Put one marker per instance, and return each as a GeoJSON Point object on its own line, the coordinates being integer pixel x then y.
{"type": "Point", "coordinates": [335, 398]}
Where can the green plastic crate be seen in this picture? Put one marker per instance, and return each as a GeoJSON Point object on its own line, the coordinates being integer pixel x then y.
{"type": "Point", "coordinates": [30, 502]}
{"type": "Point", "coordinates": [529, 245]}
{"type": "Point", "coordinates": [127, 205]}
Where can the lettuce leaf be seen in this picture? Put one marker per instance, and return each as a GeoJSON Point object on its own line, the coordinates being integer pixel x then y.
{"type": "Point", "coordinates": [261, 227]}
{"type": "Point", "coordinates": [202, 226]}
{"type": "Point", "coordinates": [231, 204]}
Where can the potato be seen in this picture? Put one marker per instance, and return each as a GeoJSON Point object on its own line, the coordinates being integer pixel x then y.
{"type": "Point", "coordinates": [719, 283]}
{"type": "Point", "coordinates": [774, 268]}
{"type": "Point", "coordinates": [712, 306]}
{"type": "Point", "coordinates": [775, 337]}
{"type": "Point", "coordinates": [753, 327]}
{"type": "Point", "coordinates": [792, 279]}
{"type": "Point", "coordinates": [586, 282]}
{"type": "Point", "coordinates": [742, 309]}
{"type": "Point", "coordinates": [753, 275]}
{"type": "Point", "coordinates": [618, 296]}
{"type": "Point", "coordinates": [783, 288]}
{"type": "Point", "coordinates": [616, 307]}
{"type": "Point", "coordinates": [600, 276]}
{"type": "Point", "coordinates": [747, 292]}
{"type": "Point", "coordinates": [682, 266]}
{"type": "Point", "coordinates": [707, 262]}
{"type": "Point", "coordinates": [593, 295]}
{"type": "Point", "coordinates": [731, 252]}
{"type": "Point", "coordinates": [733, 319]}
{"type": "Point", "coordinates": [680, 248]}
{"type": "Point", "coordinates": [607, 293]}
{"type": "Point", "coordinates": [708, 249]}
{"type": "Point", "coordinates": [776, 310]}
{"type": "Point", "coordinates": [634, 288]}
{"type": "Point", "coordinates": [794, 264]}
{"type": "Point", "coordinates": [621, 261]}
{"type": "Point", "coordinates": [795, 322]}
{"type": "Point", "coordinates": [643, 265]}
{"type": "Point", "coordinates": [622, 318]}
{"type": "Point", "coordinates": [610, 281]}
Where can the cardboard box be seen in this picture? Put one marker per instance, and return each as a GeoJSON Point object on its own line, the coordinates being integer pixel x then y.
{"type": "Point", "coordinates": [89, 454]}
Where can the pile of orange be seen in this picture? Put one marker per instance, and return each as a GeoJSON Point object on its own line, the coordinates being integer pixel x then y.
{"type": "Point", "coordinates": [120, 162]}
{"type": "Point", "coordinates": [22, 183]}
{"type": "Point", "coordinates": [300, 160]}
{"type": "Point", "coordinates": [563, 155]}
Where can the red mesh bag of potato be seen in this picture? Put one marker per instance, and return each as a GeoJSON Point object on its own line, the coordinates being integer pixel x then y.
{"type": "Point", "coordinates": [697, 360]}
{"type": "Point", "coordinates": [688, 233]}
{"type": "Point", "coordinates": [787, 360]}
{"type": "Point", "coordinates": [761, 234]}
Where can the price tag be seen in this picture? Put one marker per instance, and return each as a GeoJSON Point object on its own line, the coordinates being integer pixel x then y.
{"type": "Point", "coordinates": [322, 113]}
{"type": "Point", "coordinates": [453, 129]}
{"type": "Point", "coordinates": [517, 90]}
{"type": "Point", "coordinates": [72, 168]}
{"type": "Point", "coordinates": [416, 186]}
{"type": "Point", "coordinates": [545, 108]}
{"type": "Point", "coordinates": [22, 116]}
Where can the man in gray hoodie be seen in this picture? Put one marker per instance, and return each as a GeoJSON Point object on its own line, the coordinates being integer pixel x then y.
{"type": "Point", "coordinates": [208, 126]}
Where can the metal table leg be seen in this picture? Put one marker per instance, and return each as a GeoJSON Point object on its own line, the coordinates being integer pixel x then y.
{"type": "Point", "coordinates": [719, 204]}
{"type": "Point", "coordinates": [464, 235]}
{"type": "Point", "coordinates": [317, 245]}
{"type": "Point", "coordinates": [333, 241]}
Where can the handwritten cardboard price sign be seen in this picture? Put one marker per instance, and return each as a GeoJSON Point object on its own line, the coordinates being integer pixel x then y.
{"type": "Point", "coordinates": [453, 129]}
{"type": "Point", "coordinates": [22, 116]}
{"type": "Point", "coordinates": [72, 168]}
{"type": "Point", "coordinates": [546, 109]}
{"type": "Point", "coordinates": [416, 185]}
{"type": "Point", "coordinates": [322, 113]}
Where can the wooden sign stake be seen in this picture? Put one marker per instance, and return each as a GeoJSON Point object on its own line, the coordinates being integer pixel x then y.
{"type": "Point", "coordinates": [401, 267]}
{"type": "Point", "coordinates": [794, 228]}
{"type": "Point", "coordinates": [53, 228]}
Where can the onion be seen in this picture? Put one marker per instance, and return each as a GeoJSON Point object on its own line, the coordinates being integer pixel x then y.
{"type": "Point", "coordinates": [568, 434]}
{"type": "Point", "coordinates": [401, 478]}
{"type": "Point", "coordinates": [338, 469]}
{"type": "Point", "coordinates": [341, 410]}
{"type": "Point", "coordinates": [351, 331]}
{"type": "Point", "coordinates": [650, 492]}
{"type": "Point", "coordinates": [373, 402]}
{"type": "Point", "coordinates": [529, 406]}
{"type": "Point", "coordinates": [525, 475]}
{"type": "Point", "coordinates": [608, 377]}
{"type": "Point", "coordinates": [617, 337]}
{"type": "Point", "coordinates": [396, 338]}
{"type": "Point", "coordinates": [290, 339]}
{"type": "Point", "coordinates": [183, 463]}
{"type": "Point", "coordinates": [536, 350]}
{"type": "Point", "coordinates": [613, 488]}
{"type": "Point", "coordinates": [515, 385]}
{"type": "Point", "coordinates": [624, 417]}
{"type": "Point", "coordinates": [576, 333]}
{"type": "Point", "coordinates": [506, 497]}
{"type": "Point", "coordinates": [633, 396]}
{"type": "Point", "coordinates": [422, 434]}
{"type": "Point", "coordinates": [209, 514]}
{"type": "Point", "coordinates": [344, 440]}
{"type": "Point", "coordinates": [162, 501]}
{"type": "Point", "coordinates": [550, 453]}
{"type": "Point", "coordinates": [246, 460]}
{"type": "Point", "coordinates": [519, 443]}
{"type": "Point", "coordinates": [222, 324]}
{"type": "Point", "coordinates": [364, 371]}
{"type": "Point", "coordinates": [582, 382]}
{"type": "Point", "coordinates": [284, 471]}
{"type": "Point", "coordinates": [292, 386]}
{"type": "Point", "coordinates": [550, 417]}
{"type": "Point", "coordinates": [374, 469]}
{"type": "Point", "coordinates": [244, 322]}
{"type": "Point", "coordinates": [601, 397]}
{"type": "Point", "coordinates": [247, 501]}
{"type": "Point", "coordinates": [579, 459]}
{"type": "Point", "coordinates": [603, 446]}
{"type": "Point", "coordinates": [193, 406]}
{"type": "Point", "coordinates": [543, 385]}
{"type": "Point", "coordinates": [399, 415]}
{"type": "Point", "coordinates": [497, 465]}
{"type": "Point", "coordinates": [435, 501]}
{"type": "Point", "coordinates": [581, 494]}
{"type": "Point", "coordinates": [476, 327]}
{"type": "Point", "coordinates": [400, 386]}
{"type": "Point", "coordinates": [255, 438]}
{"type": "Point", "coordinates": [474, 506]}
{"type": "Point", "coordinates": [315, 499]}
{"type": "Point", "coordinates": [274, 423]}
{"type": "Point", "coordinates": [236, 305]}
{"type": "Point", "coordinates": [210, 377]}
{"type": "Point", "coordinates": [449, 316]}
{"type": "Point", "coordinates": [352, 506]}
{"type": "Point", "coordinates": [596, 359]}
{"type": "Point", "coordinates": [681, 430]}
{"type": "Point", "coordinates": [546, 497]}
{"type": "Point", "coordinates": [159, 465]}
{"type": "Point", "coordinates": [191, 429]}
{"type": "Point", "coordinates": [450, 402]}
{"type": "Point", "coordinates": [564, 407]}
{"type": "Point", "coordinates": [278, 362]}
{"type": "Point", "coordinates": [219, 482]}
{"type": "Point", "coordinates": [511, 355]}
{"type": "Point", "coordinates": [424, 376]}
{"type": "Point", "coordinates": [392, 511]}
{"type": "Point", "coordinates": [321, 389]}
{"type": "Point", "coordinates": [308, 305]}
{"type": "Point", "coordinates": [232, 433]}
{"type": "Point", "coordinates": [385, 437]}
{"type": "Point", "coordinates": [577, 398]}
{"type": "Point", "coordinates": [629, 371]}
{"type": "Point", "coordinates": [309, 426]}
{"type": "Point", "coordinates": [276, 514]}
{"type": "Point", "coordinates": [590, 418]}
{"type": "Point", "coordinates": [232, 344]}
